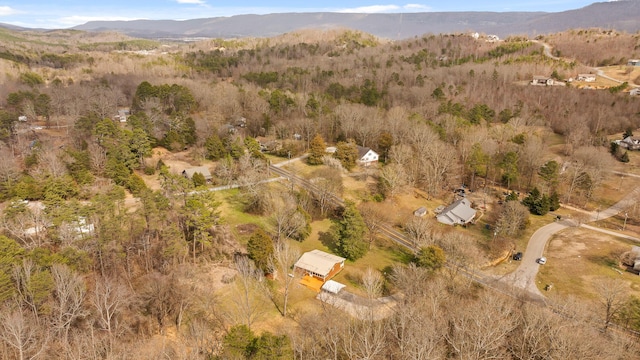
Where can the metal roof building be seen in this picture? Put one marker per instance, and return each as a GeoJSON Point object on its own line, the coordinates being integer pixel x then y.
{"type": "Point", "coordinates": [319, 264]}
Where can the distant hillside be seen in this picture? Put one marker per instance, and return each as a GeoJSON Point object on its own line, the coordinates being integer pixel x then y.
{"type": "Point", "coordinates": [619, 15]}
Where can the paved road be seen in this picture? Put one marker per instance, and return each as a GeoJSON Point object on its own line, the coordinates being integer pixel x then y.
{"type": "Point", "coordinates": [524, 276]}
{"type": "Point", "coordinates": [547, 53]}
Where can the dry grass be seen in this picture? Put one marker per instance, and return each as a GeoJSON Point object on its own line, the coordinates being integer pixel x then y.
{"type": "Point", "coordinates": [576, 257]}
{"type": "Point", "coordinates": [613, 189]}
{"type": "Point", "coordinates": [600, 83]}
{"type": "Point", "coordinates": [622, 73]}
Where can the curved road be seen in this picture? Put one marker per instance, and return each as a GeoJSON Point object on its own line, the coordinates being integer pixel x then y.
{"type": "Point", "coordinates": [524, 276]}
{"type": "Point", "coordinates": [599, 72]}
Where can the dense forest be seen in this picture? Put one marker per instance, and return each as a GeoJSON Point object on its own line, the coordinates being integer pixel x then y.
{"type": "Point", "coordinates": [108, 253]}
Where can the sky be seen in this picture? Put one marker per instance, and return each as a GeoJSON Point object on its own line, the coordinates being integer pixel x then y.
{"type": "Point", "coordinates": [60, 14]}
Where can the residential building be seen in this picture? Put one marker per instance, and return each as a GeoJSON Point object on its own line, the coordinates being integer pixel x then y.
{"type": "Point", "coordinates": [204, 170]}
{"type": "Point", "coordinates": [319, 265]}
{"type": "Point", "coordinates": [586, 77]}
{"type": "Point", "coordinates": [458, 213]}
{"type": "Point", "coordinates": [366, 156]}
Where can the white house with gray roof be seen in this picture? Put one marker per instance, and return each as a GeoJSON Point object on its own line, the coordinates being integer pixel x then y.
{"type": "Point", "coordinates": [366, 156]}
{"type": "Point", "coordinates": [458, 213]}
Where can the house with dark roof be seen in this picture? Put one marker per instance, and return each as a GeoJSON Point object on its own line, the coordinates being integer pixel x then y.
{"type": "Point", "coordinates": [541, 80]}
{"type": "Point", "coordinates": [459, 212]}
{"type": "Point", "coordinates": [204, 170]}
{"type": "Point", "coordinates": [366, 156]}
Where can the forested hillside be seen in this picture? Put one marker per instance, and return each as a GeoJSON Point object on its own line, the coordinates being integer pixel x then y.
{"type": "Point", "coordinates": [109, 252]}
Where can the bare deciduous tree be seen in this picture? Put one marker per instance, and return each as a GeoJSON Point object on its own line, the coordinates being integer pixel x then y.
{"type": "Point", "coordinates": [394, 179]}
{"type": "Point", "coordinates": [285, 217]}
{"type": "Point", "coordinates": [327, 184]}
{"type": "Point", "coordinates": [613, 296]}
{"type": "Point", "coordinates": [109, 299]}
{"type": "Point", "coordinates": [32, 286]}
{"type": "Point", "coordinates": [70, 293]}
{"type": "Point", "coordinates": [478, 332]}
{"type": "Point", "coordinates": [420, 230]}
{"type": "Point", "coordinates": [282, 260]}
{"type": "Point", "coordinates": [512, 219]}
{"type": "Point", "coordinates": [21, 332]}
{"type": "Point", "coordinates": [374, 217]}
{"type": "Point", "coordinates": [249, 300]}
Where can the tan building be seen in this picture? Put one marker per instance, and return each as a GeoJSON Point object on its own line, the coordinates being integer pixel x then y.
{"type": "Point", "coordinates": [319, 264]}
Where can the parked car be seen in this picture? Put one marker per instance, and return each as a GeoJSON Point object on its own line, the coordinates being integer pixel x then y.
{"type": "Point", "coordinates": [517, 256]}
{"type": "Point", "coordinates": [542, 260]}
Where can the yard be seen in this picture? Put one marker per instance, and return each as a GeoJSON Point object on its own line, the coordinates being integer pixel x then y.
{"type": "Point", "coordinates": [622, 73]}
{"type": "Point", "coordinates": [576, 257]}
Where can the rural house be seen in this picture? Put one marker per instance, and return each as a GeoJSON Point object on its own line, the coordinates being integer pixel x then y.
{"type": "Point", "coordinates": [586, 77]}
{"type": "Point", "coordinates": [631, 259]}
{"type": "Point", "coordinates": [630, 143]}
{"type": "Point", "coordinates": [366, 156]}
{"type": "Point", "coordinates": [458, 213]}
{"type": "Point", "coordinates": [188, 173]}
{"type": "Point", "coordinates": [319, 265]}
{"type": "Point", "coordinates": [633, 62]}
{"type": "Point", "coordinates": [122, 115]}
{"type": "Point", "coordinates": [541, 80]}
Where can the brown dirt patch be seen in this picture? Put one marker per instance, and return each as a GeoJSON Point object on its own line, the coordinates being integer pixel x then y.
{"type": "Point", "coordinates": [176, 162]}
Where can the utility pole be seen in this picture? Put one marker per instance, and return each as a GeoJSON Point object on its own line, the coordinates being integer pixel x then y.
{"type": "Point", "coordinates": [626, 215]}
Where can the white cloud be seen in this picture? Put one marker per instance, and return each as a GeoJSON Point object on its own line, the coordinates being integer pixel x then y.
{"type": "Point", "coordinates": [196, 2]}
{"type": "Point", "coordinates": [418, 7]}
{"type": "Point", "coordinates": [6, 10]}
{"type": "Point", "coordinates": [386, 8]}
{"type": "Point", "coordinates": [371, 9]}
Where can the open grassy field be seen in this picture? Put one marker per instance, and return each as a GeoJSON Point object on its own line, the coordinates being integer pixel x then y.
{"type": "Point", "coordinates": [577, 257]}
{"type": "Point", "coordinates": [623, 73]}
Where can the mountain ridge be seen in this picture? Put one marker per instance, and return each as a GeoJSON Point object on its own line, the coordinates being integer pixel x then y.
{"type": "Point", "coordinates": [620, 15]}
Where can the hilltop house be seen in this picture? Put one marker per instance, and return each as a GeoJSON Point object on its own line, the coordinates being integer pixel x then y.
{"type": "Point", "coordinates": [586, 77]}
{"type": "Point", "coordinates": [458, 213]}
{"type": "Point", "coordinates": [366, 156]}
{"type": "Point", "coordinates": [541, 80]}
{"type": "Point", "coordinates": [123, 114]}
{"type": "Point", "coordinates": [188, 173]}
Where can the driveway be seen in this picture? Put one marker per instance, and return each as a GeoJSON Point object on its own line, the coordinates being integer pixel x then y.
{"type": "Point", "coordinates": [524, 276]}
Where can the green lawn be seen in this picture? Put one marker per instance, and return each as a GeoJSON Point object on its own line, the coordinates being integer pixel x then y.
{"type": "Point", "coordinates": [381, 257]}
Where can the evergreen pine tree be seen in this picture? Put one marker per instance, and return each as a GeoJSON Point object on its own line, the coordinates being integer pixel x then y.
{"type": "Point", "coordinates": [349, 233]}
{"type": "Point", "coordinates": [317, 149]}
